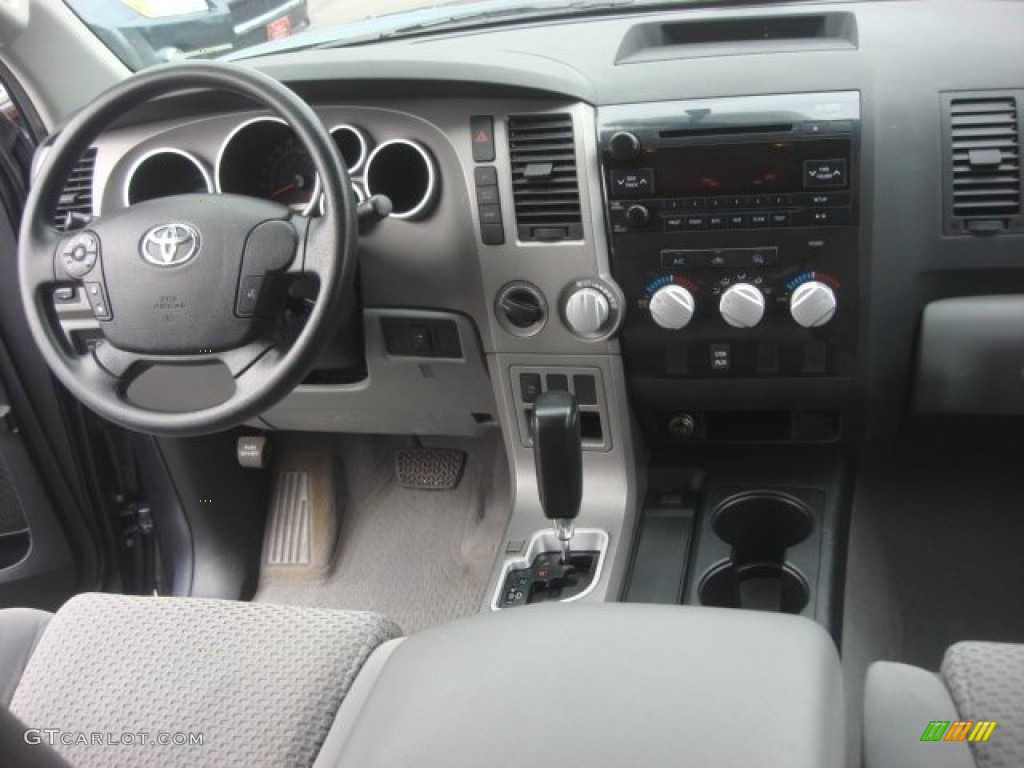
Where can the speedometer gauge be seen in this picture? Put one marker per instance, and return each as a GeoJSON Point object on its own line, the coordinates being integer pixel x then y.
{"type": "Point", "coordinates": [264, 158]}
{"type": "Point", "coordinates": [287, 175]}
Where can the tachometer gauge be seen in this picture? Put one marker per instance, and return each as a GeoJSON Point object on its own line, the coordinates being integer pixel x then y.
{"type": "Point", "coordinates": [287, 175]}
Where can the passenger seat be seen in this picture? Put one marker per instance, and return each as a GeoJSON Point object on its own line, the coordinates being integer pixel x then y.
{"type": "Point", "coordinates": [914, 718]}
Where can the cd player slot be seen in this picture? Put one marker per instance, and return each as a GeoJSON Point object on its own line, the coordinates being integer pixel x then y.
{"type": "Point", "coordinates": [724, 130]}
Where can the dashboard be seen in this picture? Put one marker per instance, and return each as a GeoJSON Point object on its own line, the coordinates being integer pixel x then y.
{"type": "Point", "coordinates": [728, 221]}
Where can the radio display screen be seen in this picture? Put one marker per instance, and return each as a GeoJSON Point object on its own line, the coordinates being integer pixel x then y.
{"type": "Point", "coordinates": [744, 169]}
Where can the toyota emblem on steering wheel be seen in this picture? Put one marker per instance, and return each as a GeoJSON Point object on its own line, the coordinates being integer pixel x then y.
{"type": "Point", "coordinates": [169, 245]}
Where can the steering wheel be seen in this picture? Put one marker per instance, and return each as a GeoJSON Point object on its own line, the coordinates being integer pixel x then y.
{"type": "Point", "coordinates": [189, 279]}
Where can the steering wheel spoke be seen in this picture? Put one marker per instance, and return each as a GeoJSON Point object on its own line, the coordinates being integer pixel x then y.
{"type": "Point", "coordinates": [125, 365]}
{"type": "Point", "coordinates": [315, 253]}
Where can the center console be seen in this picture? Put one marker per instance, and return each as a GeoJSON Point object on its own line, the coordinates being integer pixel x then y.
{"type": "Point", "coordinates": [603, 686]}
{"type": "Point", "coordinates": [733, 228]}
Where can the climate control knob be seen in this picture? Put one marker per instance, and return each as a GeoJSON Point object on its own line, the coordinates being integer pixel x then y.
{"type": "Point", "coordinates": [587, 311]}
{"type": "Point", "coordinates": [672, 307]}
{"type": "Point", "coordinates": [813, 304]}
{"type": "Point", "coordinates": [742, 305]}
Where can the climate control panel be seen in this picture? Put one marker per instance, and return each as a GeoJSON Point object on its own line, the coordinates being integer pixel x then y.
{"type": "Point", "coordinates": [783, 320]}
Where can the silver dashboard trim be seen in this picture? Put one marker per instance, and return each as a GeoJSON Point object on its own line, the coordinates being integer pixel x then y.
{"type": "Point", "coordinates": [364, 145]}
{"type": "Point", "coordinates": [584, 539]}
{"type": "Point", "coordinates": [130, 175]}
{"type": "Point", "coordinates": [428, 196]}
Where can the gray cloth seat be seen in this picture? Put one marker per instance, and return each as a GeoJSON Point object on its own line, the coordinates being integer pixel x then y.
{"type": "Point", "coordinates": [977, 682]}
{"type": "Point", "coordinates": [260, 684]}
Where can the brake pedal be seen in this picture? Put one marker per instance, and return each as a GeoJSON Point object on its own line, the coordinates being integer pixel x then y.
{"type": "Point", "coordinates": [430, 469]}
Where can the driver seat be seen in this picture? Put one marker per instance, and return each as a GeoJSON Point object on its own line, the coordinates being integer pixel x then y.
{"type": "Point", "coordinates": [263, 684]}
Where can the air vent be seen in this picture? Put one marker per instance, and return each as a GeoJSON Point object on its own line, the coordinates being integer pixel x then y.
{"type": "Point", "coordinates": [544, 183]}
{"type": "Point", "coordinates": [985, 180]}
{"type": "Point", "coordinates": [75, 204]}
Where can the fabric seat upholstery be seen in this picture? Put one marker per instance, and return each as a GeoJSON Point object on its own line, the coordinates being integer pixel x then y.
{"type": "Point", "coordinates": [262, 683]}
{"type": "Point", "coordinates": [978, 681]}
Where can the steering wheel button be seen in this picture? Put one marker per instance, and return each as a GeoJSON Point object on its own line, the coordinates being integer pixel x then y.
{"type": "Point", "coordinates": [249, 295]}
{"type": "Point", "coordinates": [98, 301]}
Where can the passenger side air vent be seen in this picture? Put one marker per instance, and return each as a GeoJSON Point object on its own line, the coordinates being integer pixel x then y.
{"type": "Point", "coordinates": [75, 204]}
{"type": "Point", "coordinates": [983, 180]}
{"type": "Point", "coordinates": [544, 182]}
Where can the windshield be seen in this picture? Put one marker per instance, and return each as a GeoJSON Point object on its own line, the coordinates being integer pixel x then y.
{"type": "Point", "coordinates": [147, 32]}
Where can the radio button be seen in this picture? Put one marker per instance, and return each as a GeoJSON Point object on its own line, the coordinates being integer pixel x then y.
{"type": "Point", "coordinates": [638, 216]}
{"type": "Point", "coordinates": [825, 173]}
{"type": "Point", "coordinates": [738, 220]}
{"type": "Point", "coordinates": [759, 220]}
{"type": "Point", "coordinates": [824, 199]}
{"type": "Point", "coordinates": [694, 222]}
{"type": "Point", "coordinates": [690, 203]}
{"type": "Point", "coordinates": [674, 222]}
{"type": "Point", "coordinates": [824, 217]}
{"type": "Point", "coordinates": [624, 146]}
{"type": "Point", "coordinates": [632, 182]}
{"type": "Point", "coordinates": [717, 221]}
{"type": "Point", "coordinates": [783, 219]}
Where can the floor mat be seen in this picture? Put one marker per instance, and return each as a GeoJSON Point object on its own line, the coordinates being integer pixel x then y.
{"type": "Point", "coordinates": [422, 557]}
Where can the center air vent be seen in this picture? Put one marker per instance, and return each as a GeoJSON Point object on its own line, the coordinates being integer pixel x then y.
{"type": "Point", "coordinates": [74, 207]}
{"type": "Point", "coordinates": [984, 183]}
{"type": "Point", "coordinates": [544, 182]}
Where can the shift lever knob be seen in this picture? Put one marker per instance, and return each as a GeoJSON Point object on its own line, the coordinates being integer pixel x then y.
{"type": "Point", "coordinates": [558, 454]}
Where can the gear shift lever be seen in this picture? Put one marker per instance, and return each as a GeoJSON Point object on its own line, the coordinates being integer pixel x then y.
{"type": "Point", "coordinates": [558, 456]}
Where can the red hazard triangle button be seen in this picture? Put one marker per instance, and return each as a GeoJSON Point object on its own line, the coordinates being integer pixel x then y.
{"type": "Point", "coordinates": [481, 129]}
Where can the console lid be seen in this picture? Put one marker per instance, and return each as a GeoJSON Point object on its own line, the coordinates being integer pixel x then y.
{"type": "Point", "coordinates": [606, 686]}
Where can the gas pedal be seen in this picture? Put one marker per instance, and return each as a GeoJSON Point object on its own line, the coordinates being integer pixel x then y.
{"type": "Point", "coordinates": [290, 532]}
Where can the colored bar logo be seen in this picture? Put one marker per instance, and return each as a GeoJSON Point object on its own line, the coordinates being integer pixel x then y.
{"type": "Point", "coordinates": [958, 730]}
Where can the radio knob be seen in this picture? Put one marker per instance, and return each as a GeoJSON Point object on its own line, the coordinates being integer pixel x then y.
{"type": "Point", "coordinates": [623, 146]}
{"type": "Point", "coordinates": [742, 305]}
{"type": "Point", "coordinates": [672, 307]}
{"type": "Point", "coordinates": [813, 304]}
{"type": "Point", "coordinates": [638, 216]}
{"type": "Point", "coordinates": [586, 311]}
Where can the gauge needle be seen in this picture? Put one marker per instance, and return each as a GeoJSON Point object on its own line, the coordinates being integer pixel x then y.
{"type": "Point", "coordinates": [281, 190]}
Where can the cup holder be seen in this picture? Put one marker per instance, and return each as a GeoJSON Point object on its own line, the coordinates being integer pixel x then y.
{"type": "Point", "coordinates": [756, 587]}
{"type": "Point", "coordinates": [759, 527]}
